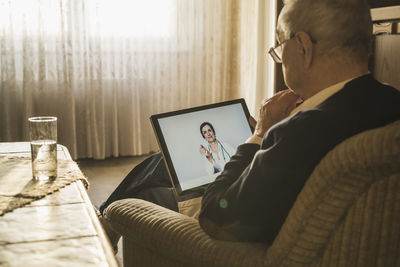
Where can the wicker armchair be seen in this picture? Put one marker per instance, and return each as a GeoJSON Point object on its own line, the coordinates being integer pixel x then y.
{"type": "Point", "coordinates": [348, 214]}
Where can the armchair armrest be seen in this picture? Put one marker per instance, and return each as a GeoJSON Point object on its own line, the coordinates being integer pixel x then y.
{"type": "Point", "coordinates": [156, 236]}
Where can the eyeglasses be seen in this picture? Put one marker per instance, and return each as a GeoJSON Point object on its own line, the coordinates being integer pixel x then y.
{"type": "Point", "coordinates": [276, 52]}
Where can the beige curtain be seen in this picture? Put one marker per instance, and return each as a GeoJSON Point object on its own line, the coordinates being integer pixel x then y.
{"type": "Point", "coordinates": [104, 66]}
{"type": "Point", "coordinates": [257, 35]}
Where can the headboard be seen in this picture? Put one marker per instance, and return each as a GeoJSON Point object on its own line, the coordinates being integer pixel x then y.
{"type": "Point", "coordinates": [385, 62]}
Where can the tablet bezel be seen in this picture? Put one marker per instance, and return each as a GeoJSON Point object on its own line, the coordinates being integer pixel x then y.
{"type": "Point", "coordinates": [196, 191]}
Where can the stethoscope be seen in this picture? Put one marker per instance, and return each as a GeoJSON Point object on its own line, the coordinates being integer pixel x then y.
{"type": "Point", "coordinates": [222, 150]}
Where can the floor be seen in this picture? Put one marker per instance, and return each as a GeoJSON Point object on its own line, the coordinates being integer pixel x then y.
{"type": "Point", "coordinates": [104, 176]}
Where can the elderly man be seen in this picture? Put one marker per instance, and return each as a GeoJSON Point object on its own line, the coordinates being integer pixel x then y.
{"type": "Point", "coordinates": [323, 46]}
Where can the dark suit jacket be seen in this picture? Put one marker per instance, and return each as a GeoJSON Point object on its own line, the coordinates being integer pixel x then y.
{"type": "Point", "coordinates": [252, 197]}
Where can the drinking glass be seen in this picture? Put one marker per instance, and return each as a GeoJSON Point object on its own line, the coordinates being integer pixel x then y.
{"type": "Point", "coordinates": [43, 133]}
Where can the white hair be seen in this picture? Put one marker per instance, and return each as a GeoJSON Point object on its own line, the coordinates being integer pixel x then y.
{"type": "Point", "coordinates": [338, 26]}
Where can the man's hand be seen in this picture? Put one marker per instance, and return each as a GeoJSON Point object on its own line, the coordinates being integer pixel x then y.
{"type": "Point", "coordinates": [275, 109]}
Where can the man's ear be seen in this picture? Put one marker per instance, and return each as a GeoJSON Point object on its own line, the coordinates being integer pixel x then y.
{"type": "Point", "coordinates": [306, 47]}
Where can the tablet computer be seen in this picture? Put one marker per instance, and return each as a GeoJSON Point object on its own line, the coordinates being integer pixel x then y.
{"type": "Point", "coordinates": [196, 143]}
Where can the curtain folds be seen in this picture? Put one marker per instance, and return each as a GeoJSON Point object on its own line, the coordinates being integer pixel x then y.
{"type": "Point", "coordinates": [103, 67]}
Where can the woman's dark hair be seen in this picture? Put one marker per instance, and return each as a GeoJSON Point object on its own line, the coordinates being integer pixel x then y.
{"type": "Point", "coordinates": [204, 124]}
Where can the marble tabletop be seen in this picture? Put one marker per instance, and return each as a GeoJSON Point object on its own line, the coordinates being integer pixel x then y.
{"type": "Point", "coordinates": [61, 229]}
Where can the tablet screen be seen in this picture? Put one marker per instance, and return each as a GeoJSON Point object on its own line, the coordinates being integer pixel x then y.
{"type": "Point", "coordinates": [196, 143]}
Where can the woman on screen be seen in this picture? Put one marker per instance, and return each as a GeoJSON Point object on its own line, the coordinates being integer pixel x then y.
{"type": "Point", "coordinates": [216, 152]}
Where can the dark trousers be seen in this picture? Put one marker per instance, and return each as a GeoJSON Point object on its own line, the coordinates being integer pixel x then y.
{"type": "Point", "coordinates": [150, 181]}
